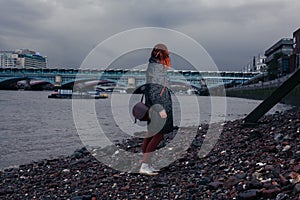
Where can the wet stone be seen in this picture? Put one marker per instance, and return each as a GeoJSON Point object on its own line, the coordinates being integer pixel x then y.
{"type": "Point", "coordinates": [232, 181]}
{"type": "Point", "coordinates": [127, 187]}
{"type": "Point", "coordinates": [215, 185]}
{"type": "Point", "coordinates": [271, 193]}
{"type": "Point", "coordinates": [282, 196]}
{"type": "Point", "coordinates": [278, 137]}
{"type": "Point", "coordinates": [204, 181]}
{"type": "Point", "coordinates": [241, 175]}
{"type": "Point", "coordinates": [297, 188]}
{"type": "Point", "coordinates": [251, 168]}
{"type": "Point", "coordinates": [254, 184]}
{"type": "Point", "coordinates": [254, 134]}
{"type": "Point", "coordinates": [297, 168]}
{"type": "Point", "coordinates": [269, 167]}
{"type": "Point", "coordinates": [283, 180]}
{"type": "Point", "coordinates": [248, 195]}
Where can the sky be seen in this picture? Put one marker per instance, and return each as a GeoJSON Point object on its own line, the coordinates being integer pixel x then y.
{"type": "Point", "coordinates": [66, 31]}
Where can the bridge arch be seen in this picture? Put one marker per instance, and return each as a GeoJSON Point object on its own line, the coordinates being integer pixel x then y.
{"type": "Point", "coordinates": [93, 82]}
{"type": "Point", "coordinates": [16, 79]}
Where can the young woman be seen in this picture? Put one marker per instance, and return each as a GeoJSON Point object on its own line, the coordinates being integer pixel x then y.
{"type": "Point", "coordinates": [158, 99]}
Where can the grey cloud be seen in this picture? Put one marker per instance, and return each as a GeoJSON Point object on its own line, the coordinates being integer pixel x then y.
{"type": "Point", "coordinates": [66, 30]}
{"type": "Point", "coordinates": [22, 15]}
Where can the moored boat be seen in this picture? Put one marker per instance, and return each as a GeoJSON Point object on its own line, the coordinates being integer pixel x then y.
{"type": "Point", "coordinates": [69, 94]}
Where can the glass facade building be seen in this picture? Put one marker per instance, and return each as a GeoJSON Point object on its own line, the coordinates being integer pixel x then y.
{"type": "Point", "coordinates": [22, 58]}
{"type": "Point", "coordinates": [283, 49]}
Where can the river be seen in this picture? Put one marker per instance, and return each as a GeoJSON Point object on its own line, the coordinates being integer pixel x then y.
{"type": "Point", "coordinates": [33, 127]}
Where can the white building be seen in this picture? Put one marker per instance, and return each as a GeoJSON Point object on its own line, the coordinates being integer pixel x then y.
{"type": "Point", "coordinates": [8, 59]}
{"type": "Point", "coordinates": [22, 58]}
{"type": "Point", "coordinates": [260, 64]}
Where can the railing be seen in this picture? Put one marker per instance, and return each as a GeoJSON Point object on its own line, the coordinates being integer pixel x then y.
{"type": "Point", "coordinates": [268, 84]}
{"type": "Point", "coordinates": [67, 75]}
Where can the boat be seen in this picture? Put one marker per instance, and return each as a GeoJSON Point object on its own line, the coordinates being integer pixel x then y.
{"type": "Point", "coordinates": [69, 94]}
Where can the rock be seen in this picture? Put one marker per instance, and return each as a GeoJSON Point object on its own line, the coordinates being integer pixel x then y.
{"type": "Point", "coordinates": [269, 167]}
{"type": "Point", "coordinates": [272, 149]}
{"type": "Point", "coordinates": [240, 175]}
{"type": "Point", "coordinates": [109, 150]}
{"type": "Point", "coordinates": [252, 168]}
{"type": "Point", "coordinates": [231, 181]}
{"type": "Point", "coordinates": [215, 185]}
{"type": "Point", "coordinates": [256, 134]}
{"type": "Point", "coordinates": [297, 168]}
{"type": "Point", "coordinates": [127, 187]}
{"type": "Point", "coordinates": [283, 180]}
{"type": "Point", "coordinates": [282, 196]}
{"type": "Point", "coordinates": [233, 194]}
{"type": "Point", "coordinates": [77, 155]}
{"type": "Point", "coordinates": [77, 198]}
{"type": "Point", "coordinates": [271, 193]}
{"type": "Point", "coordinates": [260, 164]}
{"type": "Point", "coordinates": [248, 195]}
{"type": "Point", "coordinates": [286, 148]}
{"type": "Point", "coordinates": [293, 175]}
{"type": "Point", "coordinates": [278, 137]}
{"type": "Point", "coordinates": [159, 184]}
{"type": "Point", "coordinates": [204, 181]}
{"type": "Point", "coordinates": [254, 184]}
{"type": "Point", "coordinates": [297, 188]}
{"type": "Point", "coordinates": [66, 171]}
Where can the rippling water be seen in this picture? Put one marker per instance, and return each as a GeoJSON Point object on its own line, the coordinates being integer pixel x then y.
{"type": "Point", "coordinates": [33, 127]}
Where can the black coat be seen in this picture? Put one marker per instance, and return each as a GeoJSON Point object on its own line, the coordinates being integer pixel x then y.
{"type": "Point", "coordinates": [156, 80]}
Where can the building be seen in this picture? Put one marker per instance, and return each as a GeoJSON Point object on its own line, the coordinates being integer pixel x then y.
{"type": "Point", "coordinates": [278, 57]}
{"type": "Point", "coordinates": [8, 59]}
{"type": "Point", "coordinates": [260, 63]}
{"type": "Point", "coordinates": [22, 58]}
{"type": "Point", "coordinates": [29, 58]}
{"type": "Point", "coordinates": [295, 59]}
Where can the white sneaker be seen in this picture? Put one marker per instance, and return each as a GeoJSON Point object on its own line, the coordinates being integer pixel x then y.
{"type": "Point", "coordinates": [153, 169]}
{"type": "Point", "coordinates": [145, 169]}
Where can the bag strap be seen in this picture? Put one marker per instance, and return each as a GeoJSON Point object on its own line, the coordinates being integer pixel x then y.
{"type": "Point", "coordinates": [142, 97]}
{"type": "Point", "coordinates": [162, 90]}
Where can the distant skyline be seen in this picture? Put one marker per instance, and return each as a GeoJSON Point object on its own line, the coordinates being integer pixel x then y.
{"type": "Point", "coordinates": [65, 31]}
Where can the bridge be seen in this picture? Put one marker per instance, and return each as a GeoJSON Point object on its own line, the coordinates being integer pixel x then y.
{"type": "Point", "coordinates": [66, 78]}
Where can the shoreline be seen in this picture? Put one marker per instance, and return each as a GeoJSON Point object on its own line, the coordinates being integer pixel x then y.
{"type": "Point", "coordinates": [246, 163]}
{"type": "Point", "coordinates": [261, 93]}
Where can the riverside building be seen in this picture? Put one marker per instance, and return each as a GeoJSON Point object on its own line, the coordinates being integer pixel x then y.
{"type": "Point", "coordinates": [296, 53]}
{"type": "Point", "coordinates": [22, 58]}
{"type": "Point", "coordinates": [280, 53]}
{"type": "Point", "coordinates": [8, 59]}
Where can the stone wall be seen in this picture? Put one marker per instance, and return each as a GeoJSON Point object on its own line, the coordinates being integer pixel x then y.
{"type": "Point", "coordinates": [293, 98]}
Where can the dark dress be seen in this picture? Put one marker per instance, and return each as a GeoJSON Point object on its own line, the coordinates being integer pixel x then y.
{"type": "Point", "coordinates": [156, 80]}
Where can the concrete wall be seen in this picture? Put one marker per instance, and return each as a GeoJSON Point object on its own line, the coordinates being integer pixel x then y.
{"type": "Point", "coordinates": [293, 98]}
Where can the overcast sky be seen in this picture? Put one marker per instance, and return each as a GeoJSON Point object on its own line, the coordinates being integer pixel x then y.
{"type": "Point", "coordinates": [231, 31]}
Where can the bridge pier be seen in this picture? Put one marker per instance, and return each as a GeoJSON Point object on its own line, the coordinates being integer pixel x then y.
{"type": "Point", "coordinates": [58, 81]}
{"type": "Point", "coordinates": [27, 84]}
{"type": "Point", "coordinates": [131, 82]}
{"type": "Point", "coordinates": [131, 85]}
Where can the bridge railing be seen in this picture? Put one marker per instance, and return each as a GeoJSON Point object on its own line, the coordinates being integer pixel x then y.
{"type": "Point", "coordinates": [68, 75]}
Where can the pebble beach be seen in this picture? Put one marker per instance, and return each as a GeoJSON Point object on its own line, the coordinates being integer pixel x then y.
{"type": "Point", "coordinates": [259, 162]}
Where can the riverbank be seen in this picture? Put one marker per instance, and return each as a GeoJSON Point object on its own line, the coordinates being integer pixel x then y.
{"type": "Point", "coordinates": [262, 92]}
{"type": "Point", "coordinates": [246, 163]}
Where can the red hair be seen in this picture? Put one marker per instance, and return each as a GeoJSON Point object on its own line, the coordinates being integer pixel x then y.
{"type": "Point", "coordinates": [161, 54]}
